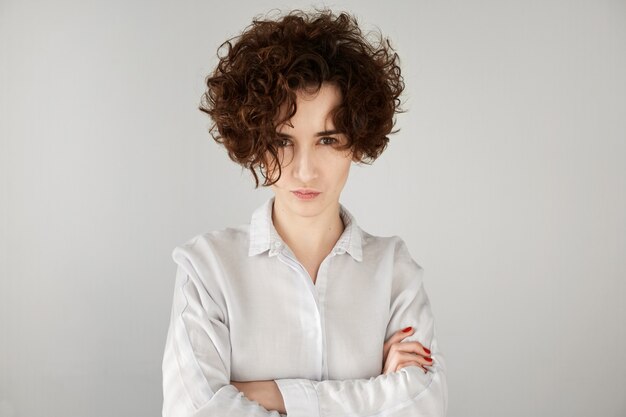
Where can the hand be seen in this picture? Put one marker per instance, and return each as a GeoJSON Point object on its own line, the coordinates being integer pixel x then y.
{"type": "Point", "coordinates": [398, 354]}
{"type": "Point", "coordinates": [266, 393]}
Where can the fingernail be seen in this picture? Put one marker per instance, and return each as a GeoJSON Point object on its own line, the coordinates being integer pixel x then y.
{"type": "Point", "coordinates": [408, 329]}
{"type": "Point", "coordinates": [427, 351]}
{"type": "Point", "coordinates": [429, 359]}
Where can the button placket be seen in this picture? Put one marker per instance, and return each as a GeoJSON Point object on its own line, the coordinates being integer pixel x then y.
{"type": "Point", "coordinates": [322, 281]}
{"type": "Point", "coordinates": [319, 330]}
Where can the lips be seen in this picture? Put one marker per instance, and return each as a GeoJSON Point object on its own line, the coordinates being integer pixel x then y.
{"type": "Point", "coordinates": [306, 191]}
{"type": "Point", "coordinates": [305, 195]}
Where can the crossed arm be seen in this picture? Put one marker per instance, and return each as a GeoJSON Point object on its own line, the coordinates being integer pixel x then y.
{"type": "Point", "coordinates": [396, 355]}
{"type": "Point", "coordinates": [196, 365]}
{"type": "Point", "coordinates": [266, 393]}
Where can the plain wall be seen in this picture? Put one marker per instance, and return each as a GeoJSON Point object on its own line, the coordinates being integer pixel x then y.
{"type": "Point", "coordinates": [507, 180]}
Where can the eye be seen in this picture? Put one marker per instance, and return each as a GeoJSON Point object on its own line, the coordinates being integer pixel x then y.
{"type": "Point", "coordinates": [331, 140]}
{"type": "Point", "coordinates": [282, 142]}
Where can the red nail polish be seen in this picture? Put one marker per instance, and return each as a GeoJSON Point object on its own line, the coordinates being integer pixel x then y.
{"type": "Point", "coordinates": [429, 359]}
{"type": "Point", "coordinates": [408, 329]}
{"type": "Point", "coordinates": [427, 351]}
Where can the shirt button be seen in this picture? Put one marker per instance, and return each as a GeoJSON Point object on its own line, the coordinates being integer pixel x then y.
{"type": "Point", "coordinates": [277, 244]}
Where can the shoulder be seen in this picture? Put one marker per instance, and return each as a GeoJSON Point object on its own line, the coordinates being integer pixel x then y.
{"type": "Point", "coordinates": [392, 253]}
{"type": "Point", "coordinates": [391, 247]}
{"type": "Point", "coordinates": [210, 247]}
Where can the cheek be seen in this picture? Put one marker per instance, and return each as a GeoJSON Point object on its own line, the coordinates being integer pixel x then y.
{"type": "Point", "coordinates": [341, 169]}
{"type": "Point", "coordinates": [281, 181]}
{"type": "Point", "coordinates": [284, 182]}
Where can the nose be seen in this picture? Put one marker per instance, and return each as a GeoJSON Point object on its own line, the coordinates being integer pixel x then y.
{"type": "Point", "coordinates": [305, 165]}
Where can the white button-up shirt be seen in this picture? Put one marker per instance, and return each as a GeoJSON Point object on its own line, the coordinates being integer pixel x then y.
{"type": "Point", "coordinates": [245, 309]}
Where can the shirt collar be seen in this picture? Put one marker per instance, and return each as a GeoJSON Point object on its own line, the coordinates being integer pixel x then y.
{"type": "Point", "coordinates": [263, 235]}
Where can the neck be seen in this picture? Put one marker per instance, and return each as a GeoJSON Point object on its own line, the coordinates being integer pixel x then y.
{"type": "Point", "coordinates": [308, 234]}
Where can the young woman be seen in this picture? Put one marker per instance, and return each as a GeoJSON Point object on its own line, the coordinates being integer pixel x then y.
{"type": "Point", "coordinates": [300, 311]}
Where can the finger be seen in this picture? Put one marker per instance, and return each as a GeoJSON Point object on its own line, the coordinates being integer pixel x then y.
{"type": "Point", "coordinates": [411, 363]}
{"type": "Point", "coordinates": [416, 347]}
{"type": "Point", "coordinates": [404, 333]}
{"type": "Point", "coordinates": [392, 362]}
{"type": "Point", "coordinates": [397, 337]}
{"type": "Point", "coordinates": [412, 357]}
{"type": "Point", "coordinates": [405, 364]}
{"type": "Point", "coordinates": [398, 363]}
{"type": "Point", "coordinates": [398, 357]}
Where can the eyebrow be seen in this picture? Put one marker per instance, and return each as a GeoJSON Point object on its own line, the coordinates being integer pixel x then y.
{"type": "Point", "coordinates": [322, 133]}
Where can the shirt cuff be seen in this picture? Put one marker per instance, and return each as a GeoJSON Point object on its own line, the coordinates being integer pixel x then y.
{"type": "Point", "coordinates": [299, 396]}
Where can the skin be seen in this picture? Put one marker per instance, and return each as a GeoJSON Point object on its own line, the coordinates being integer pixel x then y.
{"type": "Point", "coordinates": [311, 160]}
{"type": "Point", "coordinates": [311, 228]}
{"type": "Point", "coordinates": [397, 354]}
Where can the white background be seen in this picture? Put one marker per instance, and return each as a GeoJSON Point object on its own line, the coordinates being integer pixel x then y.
{"type": "Point", "coordinates": [506, 180]}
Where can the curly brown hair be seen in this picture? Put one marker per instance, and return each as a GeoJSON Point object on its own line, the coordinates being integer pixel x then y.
{"type": "Point", "coordinates": [272, 59]}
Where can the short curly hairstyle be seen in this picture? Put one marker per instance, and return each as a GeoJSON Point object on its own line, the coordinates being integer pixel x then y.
{"type": "Point", "coordinates": [272, 59]}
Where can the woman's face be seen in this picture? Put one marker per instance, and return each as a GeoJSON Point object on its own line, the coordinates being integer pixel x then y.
{"type": "Point", "coordinates": [308, 154]}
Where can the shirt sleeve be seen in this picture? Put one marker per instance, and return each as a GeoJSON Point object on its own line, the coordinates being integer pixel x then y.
{"type": "Point", "coordinates": [196, 361]}
{"type": "Point", "coordinates": [408, 392]}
